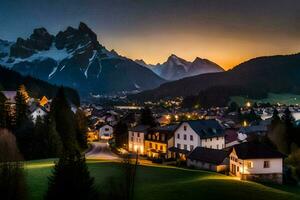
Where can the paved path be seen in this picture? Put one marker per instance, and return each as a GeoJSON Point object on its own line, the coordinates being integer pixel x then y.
{"type": "Point", "coordinates": [100, 150]}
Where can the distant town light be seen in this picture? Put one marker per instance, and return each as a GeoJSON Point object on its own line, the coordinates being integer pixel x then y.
{"type": "Point", "coordinates": [248, 104]}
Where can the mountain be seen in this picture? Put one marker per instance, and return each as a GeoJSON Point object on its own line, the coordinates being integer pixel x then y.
{"type": "Point", "coordinates": [254, 78]}
{"type": "Point", "coordinates": [176, 68]}
{"type": "Point", "coordinates": [11, 80]}
{"type": "Point", "coordinates": [75, 58]}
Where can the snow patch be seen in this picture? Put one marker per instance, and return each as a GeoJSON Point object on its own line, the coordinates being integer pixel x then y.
{"type": "Point", "coordinates": [90, 62]}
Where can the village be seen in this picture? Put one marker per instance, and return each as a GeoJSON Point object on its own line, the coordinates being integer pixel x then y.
{"type": "Point", "coordinates": [208, 139]}
{"type": "Point", "coordinates": [215, 139]}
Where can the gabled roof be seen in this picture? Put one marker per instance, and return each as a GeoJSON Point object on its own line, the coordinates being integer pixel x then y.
{"type": "Point", "coordinates": [206, 128]}
{"type": "Point", "coordinates": [214, 156]}
{"type": "Point", "coordinates": [10, 95]}
{"type": "Point", "coordinates": [140, 128]}
{"type": "Point", "coordinates": [255, 150]}
{"type": "Point", "coordinates": [253, 129]}
{"type": "Point", "coordinates": [177, 150]}
{"type": "Point", "coordinates": [169, 128]}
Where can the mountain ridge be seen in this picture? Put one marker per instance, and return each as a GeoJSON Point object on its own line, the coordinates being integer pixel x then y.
{"type": "Point", "coordinates": [76, 59]}
{"type": "Point", "coordinates": [175, 68]}
{"type": "Point", "coordinates": [254, 78]}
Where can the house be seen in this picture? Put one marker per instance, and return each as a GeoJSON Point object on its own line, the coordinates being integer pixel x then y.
{"type": "Point", "coordinates": [38, 111]}
{"type": "Point", "coordinates": [136, 138]}
{"type": "Point", "coordinates": [231, 137]}
{"type": "Point", "coordinates": [208, 159]}
{"type": "Point", "coordinates": [199, 133]}
{"type": "Point", "coordinates": [257, 162]}
{"type": "Point", "coordinates": [106, 132]}
{"type": "Point", "coordinates": [251, 131]}
{"type": "Point", "coordinates": [158, 140]}
{"type": "Point", "coordinates": [10, 96]}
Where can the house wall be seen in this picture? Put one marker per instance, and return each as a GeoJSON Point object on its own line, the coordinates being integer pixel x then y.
{"type": "Point", "coordinates": [202, 165]}
{"type": "Point", "coordinates": [241, 168]}
{"type": "Point", "coordinates": [136, 142]}
{"type": "Point", "coordinates": [106, 130]}
{"type": "Point", "coordinates": [214, 143]}
{"type": "Point", "coordinates": [154, 145]}
{"type": "Point", "coordinates": [188, 132]}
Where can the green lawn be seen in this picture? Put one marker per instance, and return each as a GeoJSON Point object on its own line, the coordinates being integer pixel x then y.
{"type": "Point", "coordinates": [168, 183]}
{"type": "Point", "coordinates": [288, 99]}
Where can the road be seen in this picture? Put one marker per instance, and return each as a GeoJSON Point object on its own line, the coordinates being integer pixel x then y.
{"type": "Point", "coordinates": [100, 150]}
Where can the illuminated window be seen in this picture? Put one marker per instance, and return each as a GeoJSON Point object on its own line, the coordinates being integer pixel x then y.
{"type": "Point", "coordinates": [217, 146]}
{"type": "Point", "coordinates": [149, 137]}
{"type": "Point", "coordinates": [162, 137]}
{"type": "Point", "coordinates": [266, 164]}
{"type": "Point", "coordinates": [250, 164]}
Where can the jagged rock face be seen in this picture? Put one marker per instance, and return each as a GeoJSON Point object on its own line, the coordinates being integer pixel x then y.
{"type": "Point", "coordinates": [75, 58]}
{"type": "Point", "coordinates": [38, 41]}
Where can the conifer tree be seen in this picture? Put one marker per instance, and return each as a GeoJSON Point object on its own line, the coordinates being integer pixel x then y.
{"type": "Point", "coordinates": [81, 129]}
{"type": "Point", "coordinates": [71, 180]}
{"type": "Point", "coordinates": [3, 114]}
{"type": "Point", "coordinates": [65, 121]}
{"type": "Point", "coordinates": [147, 117]}
{"type": "Point", "coordinates": [21, 109]}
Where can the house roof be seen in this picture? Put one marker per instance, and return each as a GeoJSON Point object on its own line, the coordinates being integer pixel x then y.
{"type": "Point", "coordinates": [10, 95]}
{"type": "Point", "coordinates": [206, 128]}
{"type": "Point", "coordinates": [253, 129]}
{"type": "Point", "coordinates": [169, 128]}
{"type": "Point", "coordinates": [255, 150]}
{"type": "Point", "coordinates": [208, 155]}
{"type": "Point", "coordinates": [177, 150]}
{"type": "Point", "coordinates": [140, 128]}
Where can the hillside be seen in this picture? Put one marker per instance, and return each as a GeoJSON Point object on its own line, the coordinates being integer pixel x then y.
{"type": "Point", "coordinates": [166, 183]}
{"type": "Point", "coordinates": [254, 78]}
{"type": "Point", "coordinates": [11, 80]}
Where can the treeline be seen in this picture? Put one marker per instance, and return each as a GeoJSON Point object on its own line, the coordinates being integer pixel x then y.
{"type": "Point", "coordinates": [11, 80]}
{"type": "Point", "coordinates": [284, 134]}
{"type": "Point", "coordinates": [59, 130]}
{"type": "Point", "coordinates": [220, 96]}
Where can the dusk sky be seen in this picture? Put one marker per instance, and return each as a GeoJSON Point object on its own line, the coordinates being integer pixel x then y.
{"type": "Point", "coordinates": [225, 31]}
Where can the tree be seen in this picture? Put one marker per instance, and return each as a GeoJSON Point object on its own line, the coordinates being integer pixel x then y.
{"type": "Point", "coordinates": [53, 140]}
{"type": "Point", "coordinates": [21, 109]}
{"type": "Point", "coordinates": [65, 121]}
{"type": "Point", "coordinates": [71, 180]}
{"type": "Point", "coordinates": [121, 134]}
{"type": "Point", "coordinates": [147, 117]}
{"type": "Point", "coordinates": [3, 113]}
{"type": "Point", "coordinates": [233, 107]}
{"type": "Point", "coordinates": [12, 178]}
{"type": "Point", "coordinates": [81, 129]}
{"type": "Point", "coordinates": [23, 91]}
{"type": "Point", "coordinates": [288, 121]}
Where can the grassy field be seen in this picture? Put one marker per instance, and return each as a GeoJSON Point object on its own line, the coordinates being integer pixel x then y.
{"type": "Point", "coordinates": [288, 99]}
{"type": "Point", "coordinates": [167, 183]}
